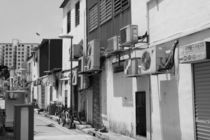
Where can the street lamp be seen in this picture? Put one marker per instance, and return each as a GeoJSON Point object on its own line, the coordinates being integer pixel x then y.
{"type": "Point", "coordinates": [71, 86]}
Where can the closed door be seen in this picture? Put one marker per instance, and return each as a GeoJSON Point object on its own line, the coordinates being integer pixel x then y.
{"type": "Point", "coordinates": [141, 113]}
{"type": "Point", "coordinates": [202, 100]}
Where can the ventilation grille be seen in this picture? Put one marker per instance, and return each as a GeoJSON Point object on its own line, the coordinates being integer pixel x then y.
{"type": "Point", "coordinates": [93, 18]}
{"type": "Point", "coordinates": [105, 10]}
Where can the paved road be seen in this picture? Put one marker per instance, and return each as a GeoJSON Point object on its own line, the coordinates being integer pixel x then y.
{"type": "Point", "coordinates": [46, 129]}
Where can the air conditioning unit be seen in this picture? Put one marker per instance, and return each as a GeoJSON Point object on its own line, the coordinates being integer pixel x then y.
{"type": "Point", "coordinates": [82, 64]}
{"type": "Point", "coordinates": [93, 55]}
{"type": "Point", "coordinates": [77, 50]}
{"type": "Point", "coordinates": [148, 57]}
{"type": "Point", "coordinates": [113, 44]}
{"type": "Point", "coordinates": [74, 77]}
{"type": "Point", "coordinates": [129, 35]}
{"type": "Point", "coordinates": [131, 67]}
{"type": "Point", "coordinates": [83, 82]}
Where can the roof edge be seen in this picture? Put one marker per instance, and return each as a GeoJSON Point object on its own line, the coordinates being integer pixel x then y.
{"type": "Point", "coordinates": [63, 4]}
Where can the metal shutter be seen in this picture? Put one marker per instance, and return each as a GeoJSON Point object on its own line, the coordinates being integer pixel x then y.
{"type": "Point", "coordinates": [202, 100]}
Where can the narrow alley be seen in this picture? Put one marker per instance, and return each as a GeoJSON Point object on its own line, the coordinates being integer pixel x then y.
{"type": "Point", "coordinates": [46, 129]}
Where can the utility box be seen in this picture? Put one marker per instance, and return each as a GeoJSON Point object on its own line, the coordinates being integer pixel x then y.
{"type": "Point", "coordinates": [12, 98]}
{"type": "Point", "coordinates": [24, 122]}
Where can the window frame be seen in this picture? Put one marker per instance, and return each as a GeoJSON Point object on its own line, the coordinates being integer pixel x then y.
{"type": "Point", "coordinates": [97, 19]}
{"type": "Point", "coordinates": [122, 8]}
{"type": "Point", "coordinates": [106, 11]}
{"type": "Point", "coordinates": [68, 22]}
{"type": "Point", "coordinates": [77, 13]}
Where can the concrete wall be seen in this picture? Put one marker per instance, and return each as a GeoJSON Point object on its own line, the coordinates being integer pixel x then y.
{"type": "Point", "coordinates": [119, 101]}
{"type": "Point", "coordinates": [168, 19]}
{"type": "Point", "coordinates": [103, 95]}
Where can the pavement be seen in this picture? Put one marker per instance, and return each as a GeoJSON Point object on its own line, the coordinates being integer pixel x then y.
{"type": "Point", "coordinates": [88, 129]}
{"type": "Point", "coordinates": [47, 129]}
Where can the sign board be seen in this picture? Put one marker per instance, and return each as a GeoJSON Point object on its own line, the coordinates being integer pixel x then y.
{"type": "Point", "coordinates": [195, 52]}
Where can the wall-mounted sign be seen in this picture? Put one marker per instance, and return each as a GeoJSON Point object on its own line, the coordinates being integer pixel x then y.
{"type": "Point", "coordinates": [194, 52]}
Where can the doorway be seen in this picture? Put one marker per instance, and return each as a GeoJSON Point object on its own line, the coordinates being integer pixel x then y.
{"type": "Point", "coordinates": [141, 113]}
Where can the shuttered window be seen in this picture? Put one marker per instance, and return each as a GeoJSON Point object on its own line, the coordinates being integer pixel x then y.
{"type": "Point", "coordinates": [105, 10]}
{"type": "Point", "coordinates": [77, 13]}
{"type": "Point", "coordinates": [68, 21]}
{"type": "Point", "coordinates": [93, 18]}
{"type": "Point", "coordinates": [120, 5]}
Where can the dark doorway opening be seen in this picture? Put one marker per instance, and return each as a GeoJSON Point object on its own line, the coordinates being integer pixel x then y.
{"type": "Point", "coordinates": [75, 97]}
{"type": "Point", "coordinates": [141, 113]}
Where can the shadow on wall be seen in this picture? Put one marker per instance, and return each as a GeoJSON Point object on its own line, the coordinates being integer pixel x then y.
{"type": "Point", "coordinates": [123, 88]}
{"type": "Point", "coordinates": [169, 110]}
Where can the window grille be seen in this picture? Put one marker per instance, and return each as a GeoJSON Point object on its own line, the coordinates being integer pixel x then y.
{"type": "Point", "coordinates": [93, 18]}
{"type": "Point", "coordinates": [105, 10]}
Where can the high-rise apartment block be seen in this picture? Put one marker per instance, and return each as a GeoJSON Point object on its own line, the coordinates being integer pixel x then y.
{"type": "Point", "coordinates": [15, 54]}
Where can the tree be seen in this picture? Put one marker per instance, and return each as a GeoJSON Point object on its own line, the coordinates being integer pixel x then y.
{"type": "Point", "coordinates": [4, 72]}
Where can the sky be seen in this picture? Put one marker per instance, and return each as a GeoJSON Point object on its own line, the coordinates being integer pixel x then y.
{"type": "Point", "coordinates": [22, 19]}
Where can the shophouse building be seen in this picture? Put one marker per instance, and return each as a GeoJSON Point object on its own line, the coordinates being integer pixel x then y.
{"type": "Point", "coordinates": [74, 24]}
{"type": "Point", "coordinates": [180, 100]}
{"type": "Point", "coordinates": [47, 65]}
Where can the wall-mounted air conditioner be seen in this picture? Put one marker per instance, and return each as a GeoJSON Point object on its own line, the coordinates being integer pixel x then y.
{"type": "Point", "coordinates": [82, 62]}
{"type": "Point", "coordinates": [129, 35]}
{"type": "Point", "coordinates": [93, 55]}
{"type": "Point", "coordinates": [148, 57]}
{"type": "Point", "coordinates": [83, 82]}
{"type": "Point", "coordinates": [74, 77]}
{"type": "Point", "coordinates": [77, 51]}
{"type": "Point", "coordinates": [131, 67]}
{"type": "Point", "coordinates": [113, 44]}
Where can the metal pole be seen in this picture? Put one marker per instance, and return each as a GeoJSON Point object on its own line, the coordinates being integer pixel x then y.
{"type": "Point", "coordinates": [71, 92]}
{"type": "Point", "coordinates": [71, 86]}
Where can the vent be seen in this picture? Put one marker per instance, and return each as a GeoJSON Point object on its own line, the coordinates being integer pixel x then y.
{"type": "Point", "coordinates": [105, 10]}
{"type": "Point", "coordinates": [93, 18]}
{"type": "Point", "coordinates": [120, 5]}
{"type": "Point", "coordinates": [117, 6]}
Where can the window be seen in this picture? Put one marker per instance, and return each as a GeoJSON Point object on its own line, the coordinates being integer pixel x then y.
{"type": "Point", "coordinates": [77, 13]}
{"type": "Point", "coordinates": [105, 10]}
{"type": "Point", "coordinates": [93, 18]}
{"type": "Point", "coordinates": [120, 5]}
{"type": "Point", "coordinates": [68, 21]}
{"type": "Point", "coordinates": [66, 97]}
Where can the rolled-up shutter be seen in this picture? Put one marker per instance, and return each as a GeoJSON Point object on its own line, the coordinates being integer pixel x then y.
{"type": "Point", "coordinates": [202, 100]}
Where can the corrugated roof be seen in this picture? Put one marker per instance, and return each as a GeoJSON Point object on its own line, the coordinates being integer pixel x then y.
{"type": "Point", "coordinates": [64, 3]}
